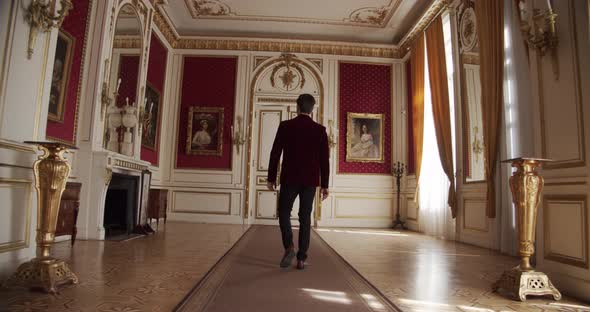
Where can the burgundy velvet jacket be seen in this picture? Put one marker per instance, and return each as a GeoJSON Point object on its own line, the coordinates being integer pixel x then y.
{"type": "Point", "coordinates": [306, 155]}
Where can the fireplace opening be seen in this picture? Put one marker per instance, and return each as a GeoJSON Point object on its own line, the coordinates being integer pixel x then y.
{"type": "Point", "coordinates": [121, 206]}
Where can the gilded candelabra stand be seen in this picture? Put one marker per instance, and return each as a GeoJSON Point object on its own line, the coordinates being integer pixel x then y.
{"type": "Point", "coordinates": [51, 175]}
{"type": "Point", "coordinates": [40, 15]}
{"type": "Point", "coordinates": [526, 186]}
{"type": "Point", "coordinates": [398, 172]}
{"type": "Point", "coordinates": [238, 138]}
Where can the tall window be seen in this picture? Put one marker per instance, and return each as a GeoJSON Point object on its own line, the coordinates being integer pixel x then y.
{"type": "Point", "coordinates": [435, 215]}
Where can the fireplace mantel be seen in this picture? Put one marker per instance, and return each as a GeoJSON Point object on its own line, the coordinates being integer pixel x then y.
{"type": "Point", "coordinates": [102, 164]}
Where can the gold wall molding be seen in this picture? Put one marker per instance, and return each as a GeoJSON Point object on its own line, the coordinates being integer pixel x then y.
{"type": "Point", "coordinates": [80, 79]}
{"type": "Point", "coordinates": [433, 12]}
{"type": "Point", "coordinates": [259, 60]}
{"type": "Point", "coordinates": [276, 100]}
{"type": "Point", "coordinates": [127, 43]}
{"type": "Point", "coordinates": [287, 47]}
{"type": "Point", "coordinates": [165, 28]}
{"type": "Point", "coordinates": [319, 63]}
{"type": "Point", "coordinates": [570, 199]}
{"type": "Point", "coordinates": [27, 185]}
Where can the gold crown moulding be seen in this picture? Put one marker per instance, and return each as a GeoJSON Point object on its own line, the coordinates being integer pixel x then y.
{"type": "Point", "coordinates": [268, 45]}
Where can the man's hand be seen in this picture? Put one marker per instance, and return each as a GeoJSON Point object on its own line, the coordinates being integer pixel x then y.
{"type": "Point", "coordinates": [271, 186]}
{"type": "Point", "coordinates": [325, 193]}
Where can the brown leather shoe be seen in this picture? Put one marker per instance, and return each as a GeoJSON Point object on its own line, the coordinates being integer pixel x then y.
{"type": "Point", "coordinates": [287, 258]}
{"type": "Point", "coordinates": [300, 264]}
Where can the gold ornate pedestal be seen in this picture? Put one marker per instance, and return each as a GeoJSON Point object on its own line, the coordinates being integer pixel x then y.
{"type": "Point", "coordinates": [51, 175]}
{"type": "Point", "coordinates": [526, 187]}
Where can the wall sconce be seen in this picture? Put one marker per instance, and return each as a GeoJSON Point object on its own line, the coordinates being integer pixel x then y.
{"type": "Point", "coordinates": [542, 35]}
{"type": "Point", "coordinates": [238, 137]}
{"type": "Point", "coordinates": [41, 17]}
{"type": "Point", "coordinates": [332, 134]}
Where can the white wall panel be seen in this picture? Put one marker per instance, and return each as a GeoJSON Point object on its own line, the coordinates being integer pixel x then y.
{"type": "Point", "coordinates": [363, 207]}
{"type": "Point", "coordinates": [202, 203]}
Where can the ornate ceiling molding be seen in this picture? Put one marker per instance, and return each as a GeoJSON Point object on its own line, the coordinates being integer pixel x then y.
{"type": "Point", "coordinates": [284, 46]}
{"type": "Point", "coordinates": [287, 47]}
{"type": "Point", "coordinates": [165, 28]}
{"type": "Point", "coordinates": [364, 17]}
{"type": "Point", "coordinates": [433, 12]}
{"type": "Point", "coordinates": [127, 42]}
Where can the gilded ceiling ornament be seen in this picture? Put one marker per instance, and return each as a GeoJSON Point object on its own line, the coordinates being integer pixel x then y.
{"type": "Point", "coordinates": [373, 16]}
{"type": "Point", "coordinates": [208, 8]}
{"type": "Point", "coordinates": [289, 73]}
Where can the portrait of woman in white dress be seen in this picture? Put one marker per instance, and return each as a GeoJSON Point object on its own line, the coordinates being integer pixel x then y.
{"type": "Point", "coordinates": [364, 138]}
{"type": "Point", "coordinates": [202, 137]}
{"type": "Point", "coordinates": [365, 148]}
{"type": "Point", "coordinates": [205, 131]}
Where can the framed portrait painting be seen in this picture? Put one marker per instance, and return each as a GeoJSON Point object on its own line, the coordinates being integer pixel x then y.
{"type": "Point", "coordinates": [61, 74]}
{"type": "Point", "coordinates": [205, 131]}
{"type": "Point", "coordinates": [364, 138]}
{"type": "Point", "coordinates": [151, 125]}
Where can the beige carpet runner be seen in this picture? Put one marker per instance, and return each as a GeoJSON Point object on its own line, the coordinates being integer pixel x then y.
{"type": "Point", "coordinates": [248, 278]}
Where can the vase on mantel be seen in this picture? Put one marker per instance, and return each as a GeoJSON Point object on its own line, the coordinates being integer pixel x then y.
{"type": "Point", "coordinates": [114, 122]}
{"type": "Point", "coordinates": [129, 120]}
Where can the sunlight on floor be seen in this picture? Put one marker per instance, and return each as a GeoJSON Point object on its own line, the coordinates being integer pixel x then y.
{"type": "Point", "coordinates": [363, 232]}
{"type": "Point", "coordinates": [332, 296]}
{"type": "Point", "coordinates": [372, 301]}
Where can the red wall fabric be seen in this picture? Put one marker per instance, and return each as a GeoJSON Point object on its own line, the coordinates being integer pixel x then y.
{"type": "Point", "coordinates": [155, 77]}
{"type": "Point", "coordinates": [128, 73]}
{"type": "Point", "coordinates": [207, 82]}
{"type": "Point", "coordinates": [364, 88]}
{"type": "Point", "coordinates": [75, 25]}
{"type": "Point", "coordinates": [411, 169]}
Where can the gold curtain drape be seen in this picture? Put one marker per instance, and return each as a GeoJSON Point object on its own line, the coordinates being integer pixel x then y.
{"type": "Point", "coordinates": [490, 28]}
{"type": "Point", "coordinates": [437, 71]}
{"type": "Point", "coordinates": [417, 72]}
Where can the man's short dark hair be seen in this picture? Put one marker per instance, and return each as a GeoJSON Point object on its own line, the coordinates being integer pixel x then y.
{"type": "Point", "coordinates": [305, 103]}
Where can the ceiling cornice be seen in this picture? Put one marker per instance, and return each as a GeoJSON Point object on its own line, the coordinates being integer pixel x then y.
{"type": "Point", "coordinates": [437, 7]}
{"type": "Point", "coordinates": [295, 46]}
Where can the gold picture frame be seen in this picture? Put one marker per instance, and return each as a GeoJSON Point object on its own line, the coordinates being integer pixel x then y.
{"type": "Point", "coordinates": [61, 76]}
{"type": "Point", "coordinates": [151, 125]}
{"type": "Point", "coordinates": [361, 142]}
{"type": "Point", "coordinates": [208, 140]}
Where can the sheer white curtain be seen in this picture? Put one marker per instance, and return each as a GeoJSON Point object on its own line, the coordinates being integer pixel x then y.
{"type": "Point", "coordinates": [435, 214]}
{"type": "Point", "coordinates": [518, 137]}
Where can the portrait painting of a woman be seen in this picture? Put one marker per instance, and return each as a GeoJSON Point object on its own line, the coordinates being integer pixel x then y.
{"type": "Point", "coordinates": [205, 128]}
{"type": "Point", "coordinates": [364, 138]}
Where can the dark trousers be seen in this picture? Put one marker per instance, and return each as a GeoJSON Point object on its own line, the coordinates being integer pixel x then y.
{"type": "Point", "coordinates": [287, 197]}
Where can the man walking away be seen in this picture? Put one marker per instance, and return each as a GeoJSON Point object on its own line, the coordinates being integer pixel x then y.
{"type": "Point", "coordinates": [304, 145]}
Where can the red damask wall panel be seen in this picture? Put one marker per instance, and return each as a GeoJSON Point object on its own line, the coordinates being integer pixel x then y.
{"type": "Point", "coordinates": [75, 24]}
{"type": "Point", "coordinates": [364, 88]}
{"type": "Point", "coordinates": [128, 73]}
{"type": "Point", "coordinates": [155, 78]}
{"type": "Point", "coordinates": [410, 129]}
{"type": "Point", "coordinates": [207, 82]}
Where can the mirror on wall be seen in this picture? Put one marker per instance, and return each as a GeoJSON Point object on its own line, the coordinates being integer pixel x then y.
{"type": "Point", "coordinates": [474, 168]}
{"type": "Point", "coordinates": [124, 75]}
